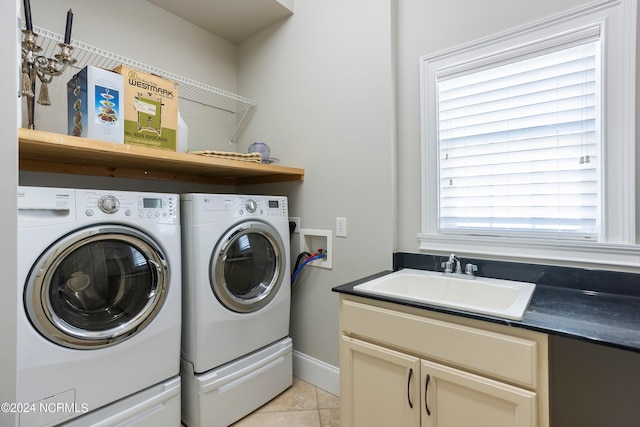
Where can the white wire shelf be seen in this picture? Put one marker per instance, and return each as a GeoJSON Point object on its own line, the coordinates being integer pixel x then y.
{"type": "Point", "coordinates": [190, 90]}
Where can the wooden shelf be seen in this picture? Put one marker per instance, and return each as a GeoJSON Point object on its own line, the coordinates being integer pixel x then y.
{"type": "Point", "coordinates": [49, 152]}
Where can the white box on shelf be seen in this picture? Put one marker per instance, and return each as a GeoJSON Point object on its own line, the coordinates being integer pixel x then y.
{"type": "Point", "coordinates": [94, 105]}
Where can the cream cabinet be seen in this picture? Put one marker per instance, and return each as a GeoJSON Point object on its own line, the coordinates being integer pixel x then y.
{"type": "Point", "coordinates": [454, 398]}
{"type": "Point", "coordinates": [383, 386]}
{"type": "Point", "coordinates": [403, 366]}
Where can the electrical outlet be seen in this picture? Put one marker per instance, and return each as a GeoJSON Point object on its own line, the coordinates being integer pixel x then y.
{"type": "Point", "coordinates": [341, 227]}
{"type": "Point", "coordinates": [296, 221]}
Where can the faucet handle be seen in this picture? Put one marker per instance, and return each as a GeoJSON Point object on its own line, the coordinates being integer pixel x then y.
{"type": "Point", "coordinates": [470, 269]}
{"type": "Point", "coordinates": [451, 263]}
{"type": "Point", "coordinates": [447, 266]}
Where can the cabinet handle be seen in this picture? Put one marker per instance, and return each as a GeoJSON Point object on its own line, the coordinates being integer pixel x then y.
{"type": "Point", "coordinates": [426, 386]}
{"type": "Point", "coordinates": [408, 387]}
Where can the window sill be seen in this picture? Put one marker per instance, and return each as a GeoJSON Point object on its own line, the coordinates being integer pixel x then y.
{"type": "Point", "coordinates": [587, 254]}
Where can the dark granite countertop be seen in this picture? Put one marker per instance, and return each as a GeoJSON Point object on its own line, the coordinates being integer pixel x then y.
{"type": "Point", "coordinates": [602, 318]}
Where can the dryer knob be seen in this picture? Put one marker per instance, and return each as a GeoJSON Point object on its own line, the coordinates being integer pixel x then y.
{"type": "Point", "coordinates": [109, 204]}
{"type": "Point", "coordinates": [251, 205]}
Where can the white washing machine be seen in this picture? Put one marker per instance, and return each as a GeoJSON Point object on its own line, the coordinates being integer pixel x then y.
{"type": "Point", "coordinates": [236, 353]}
{"type": "Point", "coordinates": [99, 307]}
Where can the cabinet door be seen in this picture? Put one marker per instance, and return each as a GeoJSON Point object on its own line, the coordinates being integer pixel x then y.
{"type": "Point", "coordinates": [379, 387]}
{"type": "Point", "coordinates": [454, 398]}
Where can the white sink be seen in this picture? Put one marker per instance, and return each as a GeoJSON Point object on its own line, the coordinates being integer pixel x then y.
{"type": "Point", "coordinates": [495, 297]}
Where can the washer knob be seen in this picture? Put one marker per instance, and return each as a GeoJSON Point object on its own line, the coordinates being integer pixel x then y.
{"type": "Point", "coordinates": [251, 205]}
{"type": "Point", "coordinates": [109, 204]}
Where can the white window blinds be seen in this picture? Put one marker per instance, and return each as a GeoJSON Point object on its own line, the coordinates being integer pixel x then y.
{"type": "Point", "coordinates": [519, 145]}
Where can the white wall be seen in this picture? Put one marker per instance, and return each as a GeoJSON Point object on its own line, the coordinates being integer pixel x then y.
{"type": "Point", "coordinates": [8, 183]}
{"type": "Point", "coordinates": [323, 83]}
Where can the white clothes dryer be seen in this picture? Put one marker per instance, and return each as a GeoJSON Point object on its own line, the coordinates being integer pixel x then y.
{"type": "Point", "coordinates": [99, 309]}
{"type": "Point", "coordinates": [236, 305]}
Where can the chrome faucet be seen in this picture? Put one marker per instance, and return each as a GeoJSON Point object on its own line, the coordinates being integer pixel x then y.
{"type": "Point", "coordinates": [469, 269]}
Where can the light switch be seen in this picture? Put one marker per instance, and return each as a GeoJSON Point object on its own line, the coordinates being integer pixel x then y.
{"type": "Point", "coordinates": [341, 227]}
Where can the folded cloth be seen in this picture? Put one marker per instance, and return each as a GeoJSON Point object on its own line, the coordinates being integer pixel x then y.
{"type": "Point", "coordinates": [245, 157]}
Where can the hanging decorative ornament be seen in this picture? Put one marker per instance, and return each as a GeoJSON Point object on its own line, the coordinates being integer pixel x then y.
{"type": "Point", "coordinates": [43, 98]}
{"type": "Point", "coordinates": [26, 83]}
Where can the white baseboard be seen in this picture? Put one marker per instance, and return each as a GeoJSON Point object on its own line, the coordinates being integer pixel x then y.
{"type": "Point", "coordinates": [316, 372]}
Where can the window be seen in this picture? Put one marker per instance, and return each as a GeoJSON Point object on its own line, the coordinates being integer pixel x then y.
{"type": "Point", "coordinates": [528, 141]}
{"type": "Point", "coordinates": [519, 147]}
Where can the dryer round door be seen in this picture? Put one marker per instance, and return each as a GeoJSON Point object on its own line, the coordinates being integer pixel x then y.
{"type": "Point", "coordinates": [97, 287]}
{"type": "Point", "coordinates": [247, 266]}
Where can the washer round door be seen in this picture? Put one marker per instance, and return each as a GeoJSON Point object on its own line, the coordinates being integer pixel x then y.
{"type": "Point", "coordinates": [97, 287]}
{"type": "Point", "coordinates": [247, 266]}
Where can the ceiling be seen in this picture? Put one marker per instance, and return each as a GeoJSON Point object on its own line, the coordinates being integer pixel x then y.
{"type": "Point", "coordinates": [233, 20]}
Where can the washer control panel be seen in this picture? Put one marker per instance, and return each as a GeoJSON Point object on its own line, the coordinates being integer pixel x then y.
{"type": "Point", "coordinates": [276, 206]}
{"type": "Point", "coordinates": [151, 207]}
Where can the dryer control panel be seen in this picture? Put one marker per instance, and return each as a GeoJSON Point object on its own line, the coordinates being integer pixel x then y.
{"type": "Point", "coordinates": [262, 206]}
{"type": "Point", "coordinates": [151, 207]}
{"type": "Point", "coordinates": [211, 208]}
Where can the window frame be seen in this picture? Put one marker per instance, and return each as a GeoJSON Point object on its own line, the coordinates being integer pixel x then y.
{"type": "Point", "coordinates": [617, 246]}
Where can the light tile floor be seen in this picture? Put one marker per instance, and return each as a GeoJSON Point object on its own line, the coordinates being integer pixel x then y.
{"type": "Point", "coordinates": [301, 405]}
